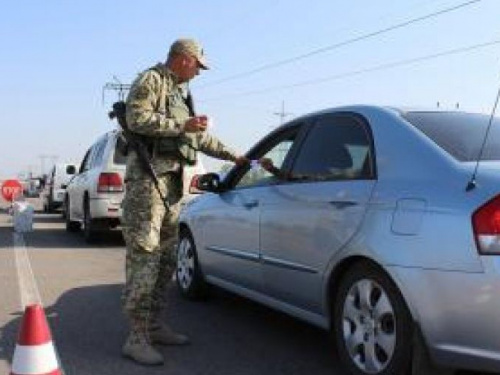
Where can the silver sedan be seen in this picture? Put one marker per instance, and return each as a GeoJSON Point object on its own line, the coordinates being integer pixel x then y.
{"type": "Point", "coordinates": [370, 225]}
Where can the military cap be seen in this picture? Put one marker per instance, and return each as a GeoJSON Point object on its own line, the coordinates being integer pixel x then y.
{"type": "Point", "coordinates": [190, 47]}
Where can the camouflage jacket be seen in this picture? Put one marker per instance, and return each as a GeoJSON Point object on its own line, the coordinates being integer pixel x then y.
{"type": "Point", "coordinates": [156, 109]}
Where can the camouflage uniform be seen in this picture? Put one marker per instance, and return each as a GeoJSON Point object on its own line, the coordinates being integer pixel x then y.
{"type": "Point", "coordinates": [155, 108]}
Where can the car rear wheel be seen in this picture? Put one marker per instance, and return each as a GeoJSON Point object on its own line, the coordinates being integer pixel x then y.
{"type": "Point", "coordinates": [90, 232]}
{"type": "Point", "coordinates": [71, 226]}
{"type": "Point", "coordinates": [372, 326]}
{"type": "Point", "coordinates": [188, 273]}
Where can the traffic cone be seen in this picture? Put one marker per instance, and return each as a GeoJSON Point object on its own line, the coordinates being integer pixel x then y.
{"type": "Point", "coordinates": [35, 353]}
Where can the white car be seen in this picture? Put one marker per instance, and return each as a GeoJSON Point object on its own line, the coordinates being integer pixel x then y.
{"type": "Point", "coordinates": [94, 195]}
{"type": "Point", "coordinates": [55, 186]}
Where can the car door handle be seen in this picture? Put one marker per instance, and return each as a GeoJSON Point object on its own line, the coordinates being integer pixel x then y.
{"type": "Point", "coordinates": [342, 204]}
{"type": "Point", "coordinates": [251, 203]}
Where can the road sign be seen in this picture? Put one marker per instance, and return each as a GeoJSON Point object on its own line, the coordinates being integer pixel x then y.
{"type": "Point", "coordinates": [11, 189]}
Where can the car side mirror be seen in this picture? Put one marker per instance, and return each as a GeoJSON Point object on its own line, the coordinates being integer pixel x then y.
{"type": "Point", "coordinates": [70, 169]}
{"type": "Point", "coordinates": [206, 182]}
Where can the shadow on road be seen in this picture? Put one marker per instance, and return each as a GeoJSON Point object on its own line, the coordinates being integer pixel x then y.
{"type": "Point", "coordinates": [229, 336]}
{"type": "Point", "coordinates": [58, 238]}
{"type": "Point", "coordinates": [48, 218]}
{"type": "Point", "coordinates": [49, 232]}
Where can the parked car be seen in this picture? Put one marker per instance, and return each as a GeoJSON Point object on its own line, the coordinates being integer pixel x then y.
{"type": "Point", "coordinates": [94, 196]}
{"type": "Point", "coordinates": [55, 186]}
{"type": "Point", "coordinates": [367, 230]}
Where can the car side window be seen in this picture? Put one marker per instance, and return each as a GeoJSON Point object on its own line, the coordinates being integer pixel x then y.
{"type": "Point", "coordinates": [277, 151]}
{"type": "Point", "coordinates": [338, 147]}
{"type": "Point", "coordinates": [96, 158]}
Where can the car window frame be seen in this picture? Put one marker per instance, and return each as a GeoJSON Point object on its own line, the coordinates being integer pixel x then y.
{"type": "Point", "coordinates": [85, 161]}
{"type": "Point", "coordinates": [261, 148]}
{"type": "Point", "coordinates": [371, 152]}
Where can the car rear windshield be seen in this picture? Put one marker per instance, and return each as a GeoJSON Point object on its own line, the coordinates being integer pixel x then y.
{"type": "Point", "coordinates": [460, 134]}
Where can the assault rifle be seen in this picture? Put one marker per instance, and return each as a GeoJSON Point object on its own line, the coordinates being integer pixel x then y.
{"type": "Point", "coordinates": [118, 112]}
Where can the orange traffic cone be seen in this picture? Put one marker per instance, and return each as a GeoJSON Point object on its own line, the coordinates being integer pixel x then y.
{"type": "Point", "coordinates": [35, 353]}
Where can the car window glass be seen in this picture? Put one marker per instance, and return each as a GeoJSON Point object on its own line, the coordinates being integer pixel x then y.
{"type": "Point", "coordinates": [96, 158]}
{"type": "Point", "coordinates": [459, 134]}
{"type": "Point", "coordinates": [336, 148]}
{"type": "Point", "coordinates": [120, 156]}
{"type": "Point", "coordinates": [277, 151]}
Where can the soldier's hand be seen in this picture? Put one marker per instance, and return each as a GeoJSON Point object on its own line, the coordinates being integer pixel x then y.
{"type": "Point", "coordinates": [241, 160]}
{"type": "Point", "coordinates": [196, 124]}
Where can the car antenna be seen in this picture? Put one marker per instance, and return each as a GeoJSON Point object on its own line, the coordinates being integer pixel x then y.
{"type": "Point", "coordinates": [472, 182]}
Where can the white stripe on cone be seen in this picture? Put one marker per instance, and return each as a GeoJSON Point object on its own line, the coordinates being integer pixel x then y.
{"type": "Point", "coordinates": [34, 360]}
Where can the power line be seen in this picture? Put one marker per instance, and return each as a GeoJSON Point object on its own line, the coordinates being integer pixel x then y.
{"type": "Point", "coordinates": [361, 71]}
{"type": "Point", "coordinates": [343, 43]}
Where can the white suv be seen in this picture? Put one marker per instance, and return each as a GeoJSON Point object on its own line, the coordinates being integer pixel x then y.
{"type": "Point", "coordinates": [94, 195]}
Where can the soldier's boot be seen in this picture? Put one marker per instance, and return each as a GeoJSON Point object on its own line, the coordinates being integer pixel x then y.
{"type": "Point", "coordinates": [161, 333]}
{"type": "Point", "coordinates": [138, 346]}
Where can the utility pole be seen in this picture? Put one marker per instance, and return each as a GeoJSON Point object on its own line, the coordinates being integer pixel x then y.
{"type": "Point", "coordinates": [120, 88]}
{"type": "Point", "coordinates": [282, 114]}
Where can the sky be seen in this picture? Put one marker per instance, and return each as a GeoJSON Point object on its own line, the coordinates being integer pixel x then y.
{"type": "Point", "coordinates": [57, 56]}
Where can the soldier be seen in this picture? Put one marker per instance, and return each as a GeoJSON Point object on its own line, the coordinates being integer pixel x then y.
{"type": "Point", "coordinates": [158, 115]}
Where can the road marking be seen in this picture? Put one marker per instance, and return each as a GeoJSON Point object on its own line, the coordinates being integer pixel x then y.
{"type": "Point", "coordinates": [28, 289]}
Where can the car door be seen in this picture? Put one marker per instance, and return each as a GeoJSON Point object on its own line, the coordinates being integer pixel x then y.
{"type": "Point", "coordinates": [231, 230]}
{"type": "Point", "coordinates": [305, 222]}
{"type": "Point", "coordinates": [78, 185]}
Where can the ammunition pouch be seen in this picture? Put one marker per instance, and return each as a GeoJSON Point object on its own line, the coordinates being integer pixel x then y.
{"type": "Point", "coordinates": [182, 148]}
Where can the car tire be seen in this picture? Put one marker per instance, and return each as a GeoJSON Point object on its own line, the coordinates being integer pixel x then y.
{"type": "Point", "coordinates": [50, 204]}
{"type": "Point", "coordinates": [63, 210]}
{"type": "Point", "coordinates": [188, 274]}
{"type": "Point", "coordinates": [373, 335]}
{"type": "Point", "coordinates": [71, 226]}
{"type": "Point", "coordinates": [89, 226]}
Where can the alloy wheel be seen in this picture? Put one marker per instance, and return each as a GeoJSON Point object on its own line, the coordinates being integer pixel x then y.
{"type": "Point", "coordinates": [369, 326]}
{"type": "Point", "coordinates": [185, 264]}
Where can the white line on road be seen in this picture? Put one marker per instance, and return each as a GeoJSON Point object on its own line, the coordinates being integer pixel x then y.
{"type": "Point", "coordinates": [28, 288]}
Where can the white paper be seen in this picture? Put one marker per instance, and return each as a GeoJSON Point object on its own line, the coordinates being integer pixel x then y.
{"type": "Point", "coordinates": [254, 164]}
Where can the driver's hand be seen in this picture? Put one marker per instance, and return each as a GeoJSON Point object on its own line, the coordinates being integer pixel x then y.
{"type": "Point", "coordinates": [267, 164]}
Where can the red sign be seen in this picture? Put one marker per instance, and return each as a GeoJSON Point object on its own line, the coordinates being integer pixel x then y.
{"type": "Point", "coordinates": [11, 189]}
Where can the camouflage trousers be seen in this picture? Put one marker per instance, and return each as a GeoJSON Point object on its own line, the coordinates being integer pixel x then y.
{"type": "Point", "coordinates": [150, 233]}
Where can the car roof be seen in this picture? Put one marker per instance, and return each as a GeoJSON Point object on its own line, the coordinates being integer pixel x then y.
{"type": "Point", "coordinates": [365, 108]}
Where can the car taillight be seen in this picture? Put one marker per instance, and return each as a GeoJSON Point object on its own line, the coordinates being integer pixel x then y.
{"type": "Point", "coordinates": [109, 183]}
{"type": "Point", "coordinates": [486, 225]}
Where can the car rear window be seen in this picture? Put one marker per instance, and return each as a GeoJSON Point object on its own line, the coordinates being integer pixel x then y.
{"type": "Point", "coordinates": [119, 157]}
{"type": "Point", "coordinates": [460, 134]}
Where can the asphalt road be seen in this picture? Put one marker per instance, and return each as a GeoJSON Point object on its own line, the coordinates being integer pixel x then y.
{"type": "Point", "coordinates": [80, 289]}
